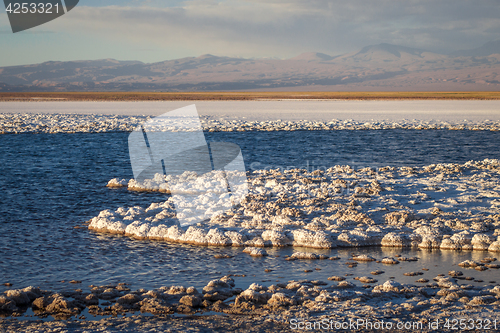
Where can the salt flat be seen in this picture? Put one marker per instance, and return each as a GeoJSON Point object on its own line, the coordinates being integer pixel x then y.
{"type": "Point", "coordinates": [319, 110]}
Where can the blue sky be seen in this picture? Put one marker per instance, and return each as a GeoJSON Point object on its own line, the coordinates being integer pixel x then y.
{"type": "Point", "coordinates": [153, 30]}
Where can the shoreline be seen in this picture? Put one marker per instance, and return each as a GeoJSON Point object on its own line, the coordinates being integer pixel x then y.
{"type": "Point", "coordinates": [141, 323]}
{"type": "Point", "coordinates": [50, 123]}
{"type": "Point", "coordinates": [258, 249]}
{"type": "Point", "coordinates": [243, 96]}
{"type": "Point", "coordinates": [278, 306]}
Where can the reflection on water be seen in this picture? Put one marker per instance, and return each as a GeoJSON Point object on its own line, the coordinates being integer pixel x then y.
{"type": "Point", "coordinates": [145, 264]}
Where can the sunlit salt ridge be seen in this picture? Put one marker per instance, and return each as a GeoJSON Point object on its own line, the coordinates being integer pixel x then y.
{"type": "Point", "coordinates": [447, 206]}
{"type": "Point", "coordinates": [67, 123]}
{"type": "Point", "coordinates": [91, 123]}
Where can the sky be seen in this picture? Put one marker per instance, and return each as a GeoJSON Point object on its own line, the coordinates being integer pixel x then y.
{"type": "Point", "coordinates": [154, 30]}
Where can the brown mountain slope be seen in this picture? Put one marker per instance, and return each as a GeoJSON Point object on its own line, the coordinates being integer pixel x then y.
{"type": "Point", "coordinates": [376, 67]}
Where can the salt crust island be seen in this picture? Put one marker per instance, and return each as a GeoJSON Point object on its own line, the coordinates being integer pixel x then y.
{"type": "Point", "coordinates": [446, 206]}
{"type": "Point", "coordinates": [84, 123]}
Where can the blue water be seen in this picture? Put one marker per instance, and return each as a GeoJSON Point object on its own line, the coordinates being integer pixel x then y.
{"type": "Point", "coordinates": [51, 183]}
{"type": "Point", "coordinates": [361, 148]}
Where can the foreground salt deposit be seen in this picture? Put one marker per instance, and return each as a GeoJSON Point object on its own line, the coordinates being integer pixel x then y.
{"type": "Point", "coordinates": [284, 303]}
{"type": "Point", "coordinates": [447, 206]}
{"type": "Point", "coordinates": [94, 123]}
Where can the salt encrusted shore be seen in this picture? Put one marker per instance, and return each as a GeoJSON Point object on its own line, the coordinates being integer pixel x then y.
{"type": "Point", "coordinates": [278, 307]}
{"type": "Point", "coordinates": [139, 323]}
{"type": "Point", "coordinates": [91, 123]}
{"type": "Point", "coordinates": [15, 123]}
{"type": "Point", "coordinates": [446, 206]}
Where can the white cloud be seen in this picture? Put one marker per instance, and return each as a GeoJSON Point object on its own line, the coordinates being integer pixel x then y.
{"type": "Point", "coordinates": [283, 28]}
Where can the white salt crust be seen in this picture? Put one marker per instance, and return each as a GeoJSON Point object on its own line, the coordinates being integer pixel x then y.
{"type": "Point", "coordinates": [446, 206]}
{"type": "Point", "coordinates": [195, 198]}
{"type": "Point", "coordinates": [67, 123]}
{"type": "Point", "coordinates": [94, 123]}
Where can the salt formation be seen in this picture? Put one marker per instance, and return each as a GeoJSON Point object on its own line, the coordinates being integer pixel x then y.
{"type": "Point", "coordinates": [219, 125]}
{"type": "Point", "coordinates": [67, 123]}
{"type": "Point", "coordinates": [366, 279]}
{"type": "Point", "coordinates": [389, 261]}
{"type": "Point", "coordinates": [84, 123]}
{"type": "Point", "coordinates": [312, 300]}
{"type": "Point", "coordinates": [115, 182]}
{"type": "Point", "coordinates": [336, 278]}
{"type": "Point", "coordinates": [446, 206]}
{"type": "Point", "coordinates": [363, 257]}
{"type": "Point", "coordinates": [195, 197]}
{"type": "Point", "coordinates": [303, 255]}
{"type": "Point", "coordinates": [255, 252]}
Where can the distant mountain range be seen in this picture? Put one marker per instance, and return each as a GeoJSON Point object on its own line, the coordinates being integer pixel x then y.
{"type": "Point", "coordinates": [374, 67]}
{"type": "Point", "coordinates": [483, 51]}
